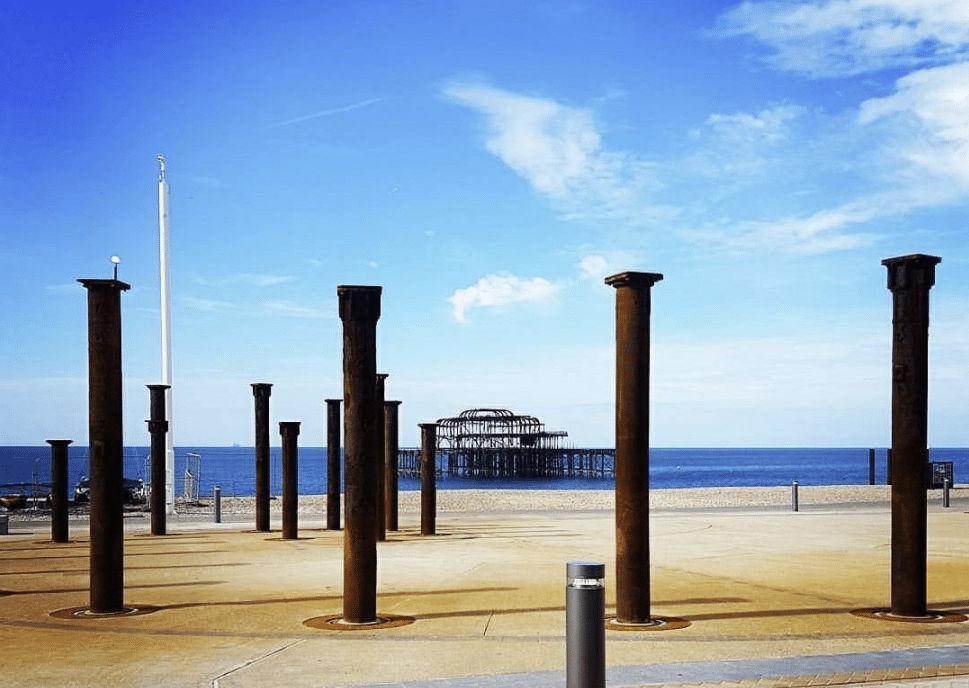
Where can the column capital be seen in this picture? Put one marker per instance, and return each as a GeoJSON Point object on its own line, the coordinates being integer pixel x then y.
{"type": "Point", "coordinates": [359, 302]}
{"type": "Point", "coordinates": [916, 270]}
{"type": "Point", "coordinates": [289, 428]}
{"type": "Point", "coordinates": [333, 401]}
{"type": "Point", "coordinates": [261, 389]}
{"type": "Point", "coordinates": [158, 387]}
{"type": "Point", "coordinates": [392, 402]}
{"type": "Point", "coordinates": [94, 283]}
{"type": "Point", "coordinates": [382, 376]}
{"type": "Point", "coordinates": [428, 426]}
{"type": "Point", "coordinates": [59, 443]}
{"type": "Point", "coordinates": [637, 280]}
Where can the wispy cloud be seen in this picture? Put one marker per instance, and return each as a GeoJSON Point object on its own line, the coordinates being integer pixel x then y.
{"type": "Point", "coordinates": [248, 278]}
{"type": "Point", "coordinates": [558, 150]}
{"type": "Point", "coordinates": [282, 308]}
{"type": "Point", "coordinates": [294, 310]}
{"type": "Point", "coordinates": [500, 290]}
{"type": "Point", "coordinates": [845, 37]}
{"type": "Point", "coordinates": [330, 111]}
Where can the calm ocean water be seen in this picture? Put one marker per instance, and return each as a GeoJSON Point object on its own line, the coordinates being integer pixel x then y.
{"type": "Point", "coordinates": [233, 468]}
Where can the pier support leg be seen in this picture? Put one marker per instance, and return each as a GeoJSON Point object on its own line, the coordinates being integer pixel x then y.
{"type": "Point", "coordinates": [158, 428]}
{"type": "Point", "coordinates": [871, 466]}
{"type": "Point", "coordinates": [260, 393]}
{"type": "Point", "coordinates": [909, 279]}
{"type": "Point", "coordinates": [428, 478]}
{"type": "Point", "coordinates": [289, 430]}
{"type": "Point", "coordinates": [632, 444]}
{"type": "Point", "coordinates": [391, 446]}
{"type": "Point", "coordinates": [359, 311]}
{"type": "Point", "coordinates": [106, 444]}
{"type": "Point", "coordinates": [58, 490]}
{"type": "Point", "coordinates": [333, 464]}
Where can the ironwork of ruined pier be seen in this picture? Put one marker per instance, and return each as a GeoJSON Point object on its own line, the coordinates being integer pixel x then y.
{"type": "Point", "coordinates": [496, 443]}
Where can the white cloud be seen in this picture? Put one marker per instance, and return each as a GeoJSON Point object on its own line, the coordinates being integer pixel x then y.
{"type": "Point", "coordinates": [263, 308]}
{"type": "Point", "coordinates": [558, 150]}
{"type": "Point", "coordinates": [770, 125]}
{"type": "Point", "coordinates": [294, 310]}
{"type": "Point", "coordinates": [500, 290]}
{"type": "Point", "coordinates": [845, 37]}
{"type": "Point", "coordinates": [250, 278]}
{"type": "Point", "coordinates": [593, 268]}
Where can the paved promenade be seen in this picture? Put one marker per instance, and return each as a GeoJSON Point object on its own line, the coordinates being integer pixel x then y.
{"type": "Point", "coordinates": [768, 593]}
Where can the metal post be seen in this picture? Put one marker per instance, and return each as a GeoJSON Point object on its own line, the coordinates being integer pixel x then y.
{"type": "Point", "coordinates": [290, 431]}
{"type": "Point", "coordinates": [585, 625]}
{"type": "Point", "coordinates": [58, 491]}
{"type": "Point", "coordinates": [794, 487]}
{"type": "Point", "coordinates": [391, 446]}
{"type": "Point", "coordinates": [106, 444]}
{"type": "Point", "coordinates": [359, 311]}
{"type": "Point", "coordinates": [871, 466]}
{"type": "Point", "coordinates": [945, 492]}
{"type": "Point", "coordinates": [217, 498]}
{"type": "Point", "coordinates": [428, 478]}
{"type": "Point", "coordinates": [381, 449]}
{"type": "Point", "coordinates": [632, 444]}
{"type": "Point", "coordinates": [333, 464]}
{"type": "Point", "coordinates": [261, 392]}
{"type": "Point", "coordinates": [888, 466]}
{"type": "Point", "coordinates": [909, 279]}
{"type": "Point", "coordinates": [158, 428]}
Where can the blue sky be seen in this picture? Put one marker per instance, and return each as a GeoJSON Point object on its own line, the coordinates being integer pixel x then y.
{"type": "Point", "coordinates": [488, 163]}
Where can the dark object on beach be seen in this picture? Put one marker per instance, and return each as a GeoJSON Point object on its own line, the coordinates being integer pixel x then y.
{"type": "Point", "coordinates": [105, 412]}
{"type": "Point", "coordinates": [132, 491]}
{"type": "Point", "coordinates": [14, 501]}
{"type": "Point", "coordinates": [261, 392]}
{"type": "Point", "coordinates": [289, 430]}
{"type": "Point", "coordinates": [909, 279]}
{"type": "Point", "coordinates": [158, 428]}
{"type": "Point", "coordinates": [333, 464]}
{"type": "Point", "coordinates": [381, 452]}
{"type": "Point", "coordinates": [428, 479]}
{"type": "Point", "coordinates": [633, 306]}
{"type": "Point", "coordinates": [58, 492]}
{"type": "Point", "coordinates": [359, 312]}
{"type": "Point", "coordinates": [391, 483]}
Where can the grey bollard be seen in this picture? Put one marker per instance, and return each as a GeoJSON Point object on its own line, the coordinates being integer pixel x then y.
{"type": "Point", "coordinates": [3, 524]}
{"type": "Point", "coordinates": [945, 493]}
{"type": "Point", "coordinates": [217, 498]}
{"type": "Point", "coordinates": [585, 625]}
{"type": "Point", "coordinates": [794, 487]}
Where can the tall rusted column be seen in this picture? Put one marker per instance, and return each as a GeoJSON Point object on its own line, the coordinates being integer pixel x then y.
{"type": "Point", "coordinates": [428, 478]}
{"type": "Point", "coordinates": [290, 431]}
{"type": "Point", "coordinates": [909, 279]}
{"type": "Point", "coordinates": [632, 444]}
{"type": "Point", "coordinates": [333, 464]}
{"type": "Point", "coordinates": [157, 428]}
{"type": "Point", "coordinates": [359, 311]}
{"type": "Point", "coordinates": [106, 444]}
{"type": "Point", "coordinates": [381, 450]}
{"type": "Point", "coordinates": [391, 445]}
{"type": "Point", "coordinates": [261, 392]}
{"type": "Point", "coordinates": [58, 490]}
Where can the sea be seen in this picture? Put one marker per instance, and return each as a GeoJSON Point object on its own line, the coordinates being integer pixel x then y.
{"type": "Point", "coordinates": [233, 469]}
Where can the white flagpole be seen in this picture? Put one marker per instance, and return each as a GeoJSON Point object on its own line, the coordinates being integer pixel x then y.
{"type": "Point", "coordinates": [164, 268]}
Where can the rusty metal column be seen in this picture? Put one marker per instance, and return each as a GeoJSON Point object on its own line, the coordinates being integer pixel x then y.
{"type": "Point", "coordinates": [106, 443]}
{"type": "Point", "coordinates": [381, 451]}
{"type": "Point", "coordinates": [290, 431]}
{"type": "Point", "coordinates": [333, 464]}
{"type": "Point", "coordinates": [428, 478]}
{"type": "Point", "coordinates": [157, 428]}
{"type": "Point", "coordinates": [909, 279]}
{"type": "Point", "coordinates": [58, 490]}
{"type": "Point", "coordinates": [632, 444]}
{"type": "Point", "coordinates": [359, 311]}
{"type": "Point", "coordinates": [391, 446]}
{"type": "Point", "coordinates": [261, 392]}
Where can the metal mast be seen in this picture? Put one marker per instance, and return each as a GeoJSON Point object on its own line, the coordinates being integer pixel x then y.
{"type": "Point", "coordinates": [164, 268]}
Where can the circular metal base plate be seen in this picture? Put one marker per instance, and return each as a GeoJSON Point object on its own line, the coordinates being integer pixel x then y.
{"type": "Point", "coordinates": [931, 616]}
{"type": "Point", "coordinates": [336, 623]}
{"type": "Point", "coordinates": [656, 623]}
{"type": "Point", "coordinates": [86, 613]}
